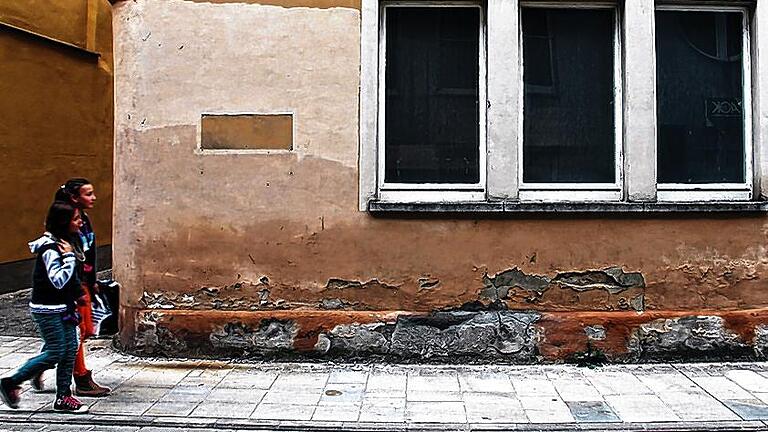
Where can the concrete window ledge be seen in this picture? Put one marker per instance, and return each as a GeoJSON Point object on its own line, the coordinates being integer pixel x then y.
{"type": "Point", "coordinates": [383, 208]}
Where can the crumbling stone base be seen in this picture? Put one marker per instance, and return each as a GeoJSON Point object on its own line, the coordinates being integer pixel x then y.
{"type": "Point", "coordinates": [500, 336]}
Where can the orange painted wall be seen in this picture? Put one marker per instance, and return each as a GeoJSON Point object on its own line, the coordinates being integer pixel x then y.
{"type": "Point", "coordinates": [56, 113]}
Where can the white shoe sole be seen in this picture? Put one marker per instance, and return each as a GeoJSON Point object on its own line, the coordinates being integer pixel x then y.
{"type": "Point", "coordinates": [83, 410]}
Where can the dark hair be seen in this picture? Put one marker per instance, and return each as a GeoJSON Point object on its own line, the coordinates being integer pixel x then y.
{"type": "Point", "coordinates": [59, 217]}
{"type": "Point", "coordinates": [70, 190]}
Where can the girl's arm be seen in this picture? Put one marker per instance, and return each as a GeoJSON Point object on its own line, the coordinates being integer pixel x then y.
{"type": "Point", "coordinates": [60, 267]}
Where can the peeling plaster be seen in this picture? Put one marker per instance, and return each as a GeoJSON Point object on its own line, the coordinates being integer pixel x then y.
{"type": "Point", "coordinates": [532, 288]}
{"type": "Point", "coordinates": [341, 284]}
{"type": "Point", "coordinates": [692, 337]}
{"type": "Point", "coordinates": [270, 338]}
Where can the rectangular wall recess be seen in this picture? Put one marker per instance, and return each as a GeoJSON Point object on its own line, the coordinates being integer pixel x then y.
{"type": "Point", "coordinates": [246, 132]}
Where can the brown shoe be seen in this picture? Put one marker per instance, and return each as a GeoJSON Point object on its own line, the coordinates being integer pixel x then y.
{"type": "Point", "coordinates": [85, 386]}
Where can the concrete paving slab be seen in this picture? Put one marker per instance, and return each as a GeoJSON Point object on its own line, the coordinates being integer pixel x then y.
{"type": "Point", "coordinates": [186, 394]}
{"type": "Point", "coordinates": [386, 383]}
{"type": "Point", "coordinates": [535, 387]}
{"type": "Point", "coordinates": [433, 383]}
{"type": "Point", "coordinates": [552, 415]}
{"type": "Point", "coordinates": [281, 411]}
{"type": "Point", "coordinates": [174, 408]}
{"type": "Point", "coordinates": [292, 398]}
{"type": "Point", "coordinates": [383, 410]}
{"type": "Point", "coordinates": [348, 377]}
{"type": "Point", "coordinates": [289, 382]}
{"type": "Point", "coordinates": [721, 387]}
{"type": "Point", "coordinates": [616, 383]}
{"type": "Point", "coordinates": [749, 380]}
{"type": "Point", "coordinates": [239, 395]}
{"type": "Point", "coordinates": [433, 396]}
{"type": "Point", "coordinates": [697, 407]}
{"type": "Point", "coordinates": [486, 383]}
{"type": "Point", "coordinates": [346, 413]}
{"type": "Point", "coordinates": [592, 412]}
{"type": "Point", "coordinates": [336, 394]}
{"type": "Point", "coordinates": [669, 382]}
{"type": "Point", "coordinates": [243, 378]}
{"type": "Point", "coordinates": [641, 408]}
{"type": "Point", "coordinates": [576, 390]}
{"type": "Point", "coordinates": [121, 407]}
{"type": "Point", "coordinates": [748, 409]}
{"type": "Point", "coordinates": [435, 412]}
{"type": "Point", "coordinates": [137, 394]}
{"type": "Point", "coordinates": [493, 408]}
{"type": "Point", "coordinates": [224, 409]}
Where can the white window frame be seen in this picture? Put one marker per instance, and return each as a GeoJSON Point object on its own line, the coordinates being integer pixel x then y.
{"type": "Point", "coordinates": [577, 191]}
{"type": "Point", "coordinates": [720, 191]}
{"type": "Point", "coordinates": [431, 192]}
{"type": "Point", "coordinates": [501, 115]}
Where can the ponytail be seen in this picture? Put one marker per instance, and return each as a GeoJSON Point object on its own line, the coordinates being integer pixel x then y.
{"type": "Point", "coordinates": [70, 191]}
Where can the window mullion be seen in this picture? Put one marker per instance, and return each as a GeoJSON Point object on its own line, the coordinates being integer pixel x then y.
{"type": "Point", "coordinates": [760, 96]}
{"type": "Point", "coordinates": [504, 90]}
{"type": "Point", "coordinates": [640, 104]}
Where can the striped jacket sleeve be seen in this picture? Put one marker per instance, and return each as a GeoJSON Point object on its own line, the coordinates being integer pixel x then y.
{"type": "Point", "coordinates": [60, 268]}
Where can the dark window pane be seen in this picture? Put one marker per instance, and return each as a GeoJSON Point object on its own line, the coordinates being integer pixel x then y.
{"type": "Point", "coordinates": [569, 101]}
{"type": "Point", "coordinates": [699, 92]}
{"type": "Point", "coordinates": [432, 130]}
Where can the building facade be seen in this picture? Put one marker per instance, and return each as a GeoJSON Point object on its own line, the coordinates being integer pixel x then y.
{"type": "Point", "coordinates": [515, 181]}
{"type": "Point", "coordinates": [57, 123]}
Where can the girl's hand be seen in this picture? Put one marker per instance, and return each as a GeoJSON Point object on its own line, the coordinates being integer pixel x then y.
{"type": "Point", "coordinates": [65, 247]}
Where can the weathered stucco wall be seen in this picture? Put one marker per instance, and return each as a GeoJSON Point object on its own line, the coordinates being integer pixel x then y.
{"type": "Point", "coordinates": [56, 112]}
{"type": "Point", "coordinates": [257, 253]}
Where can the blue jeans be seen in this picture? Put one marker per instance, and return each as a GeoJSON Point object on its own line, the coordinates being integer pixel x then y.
{"type": "Point", "coordinates": [59, 351]}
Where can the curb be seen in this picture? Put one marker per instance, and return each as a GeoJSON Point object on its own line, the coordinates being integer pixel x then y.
{"type": "Point", "coordinates": [192, 423]}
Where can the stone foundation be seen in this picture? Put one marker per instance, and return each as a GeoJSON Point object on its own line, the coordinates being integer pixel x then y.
{"type": "Point", "coordinates": [502, 336]}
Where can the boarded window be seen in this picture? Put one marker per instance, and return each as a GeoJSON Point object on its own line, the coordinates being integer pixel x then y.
{"type": "Point", "coordinates": [569, 132]}
{"type": "Point", "coordinates": [247, 132]}
{"type": "Point", "coordinates": [699, 91]}
{"type": "Point", "coordinates": [432, 132]}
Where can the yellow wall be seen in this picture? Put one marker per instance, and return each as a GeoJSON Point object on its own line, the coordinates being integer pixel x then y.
{"type": "Point", "coordinates": [56, 117]}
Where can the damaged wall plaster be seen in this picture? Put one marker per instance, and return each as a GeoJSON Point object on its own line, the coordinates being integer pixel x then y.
{"type": "Point", "coordinates": [623, 290]}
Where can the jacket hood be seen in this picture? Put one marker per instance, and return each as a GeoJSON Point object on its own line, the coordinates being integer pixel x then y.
{"type": "Point", "coordinates": [44, 240]}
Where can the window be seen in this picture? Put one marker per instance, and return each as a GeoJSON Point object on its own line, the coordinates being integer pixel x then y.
{"type": "Point", "coordinates": [541, 101]}
{"type": "Point", "coordinates": [703, 143]}
{"type": "Point", "coordinates": [432, 137]}
{"type": "Point", "coordinates": [571, 94]}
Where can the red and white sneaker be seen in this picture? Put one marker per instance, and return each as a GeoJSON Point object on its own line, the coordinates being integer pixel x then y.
{"type": "Point", "coordinates": [9, 393]}
{"type": "Point", "coordinates": [69, 404]}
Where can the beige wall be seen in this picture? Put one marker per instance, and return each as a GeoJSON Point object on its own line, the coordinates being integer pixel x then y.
{"type": "Point", "coordinates": [56, 112]}
{"type": "Point", "coordinates": [250, 231]}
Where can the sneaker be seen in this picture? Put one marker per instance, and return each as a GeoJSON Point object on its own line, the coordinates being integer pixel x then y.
{"type": "Point", "coordinates": [9, 393]}
{"type": "Point", "coordinates": [86, 386]}
{"type": "Point", "coordinates": [37, 383]}
{"type": "Point", "coordinates": [69, 404]}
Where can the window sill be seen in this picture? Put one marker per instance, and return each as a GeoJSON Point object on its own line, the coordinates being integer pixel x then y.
{"type": "Point", "coordinates": [516, 207]}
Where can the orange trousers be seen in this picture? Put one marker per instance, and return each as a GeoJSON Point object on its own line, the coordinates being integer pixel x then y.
{"type": "Point", "coordinates": [86, 331]}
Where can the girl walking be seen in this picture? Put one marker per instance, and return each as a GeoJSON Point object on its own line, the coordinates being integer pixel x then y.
{"type": "Point", "coordinates": [55, 290]}
{"type": "Point", "coordinates": [80, 193]}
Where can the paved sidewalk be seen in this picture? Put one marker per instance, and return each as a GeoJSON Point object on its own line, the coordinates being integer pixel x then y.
{"type": "Point", "coordinates": [171, 395]}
